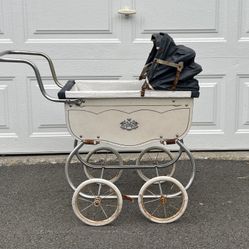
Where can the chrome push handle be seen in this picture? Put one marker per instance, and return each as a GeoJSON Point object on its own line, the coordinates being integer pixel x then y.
{"type": "Point", "coordinates": [51, 65]}
{"type": "Point", "coordinates": [127, 11]}
{"type": "Point", "coordinates": [35, 68]}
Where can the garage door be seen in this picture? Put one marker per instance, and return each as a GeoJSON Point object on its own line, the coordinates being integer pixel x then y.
{"type": "Point", "coordinates": [90, 40]}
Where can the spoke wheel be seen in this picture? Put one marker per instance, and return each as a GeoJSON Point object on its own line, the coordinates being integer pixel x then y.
{"type": "Point", "coordinates": [155, 156]}
{"type": "Point", "coordinates": [97, 202]}
{"type": "Point", "coordinates": [102, 157]}
{"type": "Point", "coordinates": [163, 199]}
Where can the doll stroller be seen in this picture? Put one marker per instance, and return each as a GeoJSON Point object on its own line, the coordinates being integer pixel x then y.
{"type": "Point", "coordinates": [128, 114]}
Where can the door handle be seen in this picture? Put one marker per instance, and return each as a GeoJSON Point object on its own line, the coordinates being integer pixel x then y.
{"type": "Point", "coordinates": [126, 11]}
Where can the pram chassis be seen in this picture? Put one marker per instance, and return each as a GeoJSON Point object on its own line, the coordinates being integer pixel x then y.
{"type": "Point", "coordinates": [100, 182]}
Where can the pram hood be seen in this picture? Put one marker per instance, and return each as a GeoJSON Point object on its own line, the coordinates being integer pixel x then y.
{"type": "Point", "coordinates": [161, 76]}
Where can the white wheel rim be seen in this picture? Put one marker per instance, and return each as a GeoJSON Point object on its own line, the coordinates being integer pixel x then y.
{"type": "Point", "coordinates": [163, 179]}
{"type": "Point", "coordinates": [78, 194]}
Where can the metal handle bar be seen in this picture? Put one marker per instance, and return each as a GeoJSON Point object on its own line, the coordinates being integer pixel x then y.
{"type": "Point", "coordinates": [50, 63]}
{"type": "Point", "coordinates": [35, 68]}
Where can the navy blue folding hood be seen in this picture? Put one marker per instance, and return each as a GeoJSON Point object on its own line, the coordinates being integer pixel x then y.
{"type": "Point", "coordinates": [170, 66]}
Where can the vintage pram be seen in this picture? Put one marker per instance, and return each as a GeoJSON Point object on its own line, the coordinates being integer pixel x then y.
{"type": "Point", "coordinates": [120, 113]}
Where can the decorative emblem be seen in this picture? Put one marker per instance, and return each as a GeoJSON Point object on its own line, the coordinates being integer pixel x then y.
{"type": "Point", "coordinates": [129, 124]}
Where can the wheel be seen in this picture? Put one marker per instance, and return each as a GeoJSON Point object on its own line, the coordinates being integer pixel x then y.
{"type": "Point", "coordinates": [103, 156]}
{"type": "Point", "coordinates": [97, 202]}
{"type": "Point", "coordinates": [162, 199]}
{"type": "Point", "coordinates": [155, 156]}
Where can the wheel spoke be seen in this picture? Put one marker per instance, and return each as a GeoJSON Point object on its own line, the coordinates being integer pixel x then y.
{"type": "Point", "coordinates": [87, 207]}
{"type": "Point", "coordinates": [98, 158]}
{"type": "Point", "coordinates": [95, 214]}
{"type": "Point", "coordinates": [150, 157]}
{"type": "Point", "coordinates": [156, 160]}
{"type": "Point", "coordinates": [160, 188]}
{"type": "Point", "coordinates": [156, 208]}
{"type": "Point", "coordinates": [150, 192]}
{"type": "Point", "coordinates": [152, 200]}
{"type": "Point", "coordinates": [92, 193]}
{"type": "Point", "coordinates": [108, 191]}
{"type": "Point", "coordinates": [83, 199]}
{"type": "Point", "coordinates": [175, 197]}
{"type": "Point", "coordinates": [99, 189]}
{"type": "Point", "coordinates": [164, 210]}
{"type": "Point", "coordinates": [177, 209]}
{"type": "Point", "coordinates": [168, 187]}
{"type": "Point", "coordinates": [107, 195]}
{"type": "Point", "coordinates": [105, 160]}
{"type": "Point", "coordinates": [109, 205]}
{"type": "Point", "coordinates": [103, 211]}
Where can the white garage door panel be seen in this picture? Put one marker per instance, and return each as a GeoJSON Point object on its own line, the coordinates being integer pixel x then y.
{"type": "Point", "coordinates": [180, 17]}
{"type": "Point", "coordinates": [86, 20]}
{"type": "Point", "coordinates": [90, 40]}
{"type": "Point", "coordinates": [5, 24]}
{"type": "Point", "coordinates": [7, 105]}
{"type": "Point", "coordinates": [243, 10]}
{"type": "Point", "coordinates": [242, 96]}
